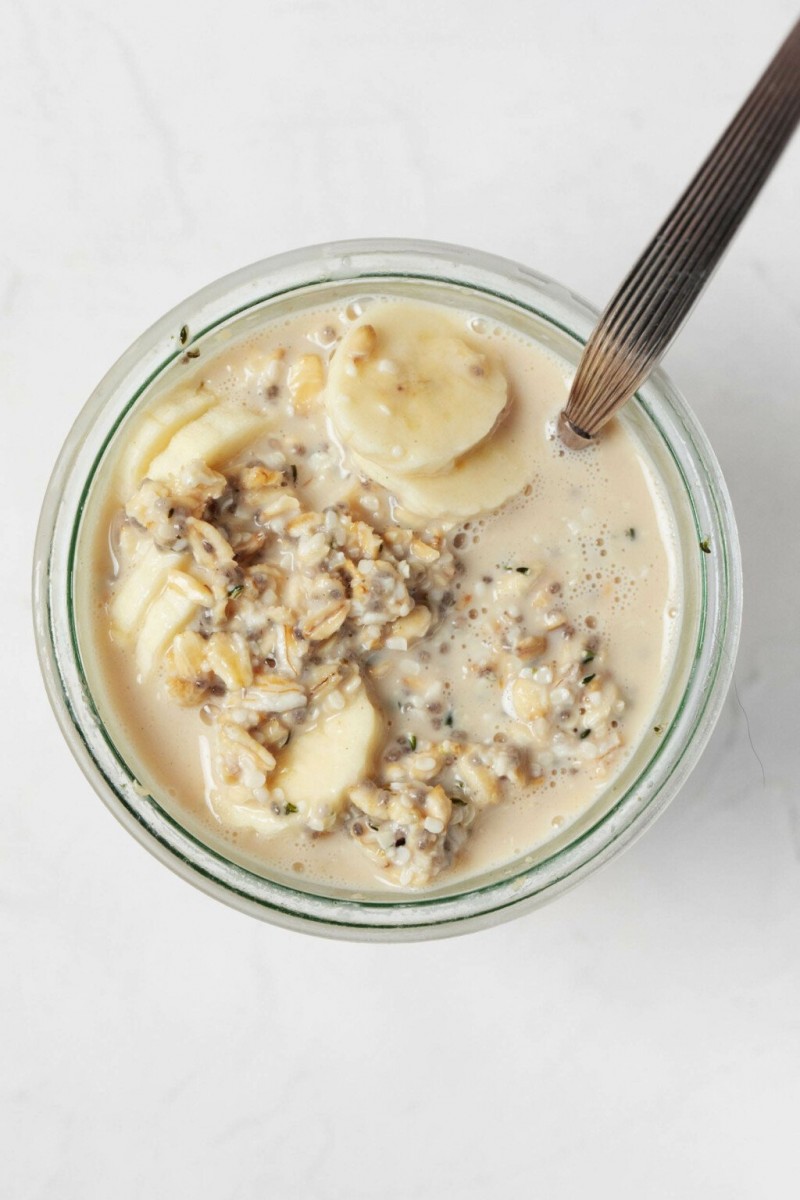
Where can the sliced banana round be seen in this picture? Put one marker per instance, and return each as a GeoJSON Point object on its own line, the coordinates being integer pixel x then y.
{"type": "Point", "coordinates": [139, 585]}
{"type": "Point", "coordinates": [152, 431]}
{"type": "Point", "coordinates": [477, 482]}
{"type": "Point", "coordinates": [480, 481]}
{"type": "Point", "coordinates": [168, 615]}
{"type": "Point", "coordinates": [320, 765]}
{"type": "Point", "coordinates": [217, 435]}
{"type": "Point", "coordinates": [409, 391]}
{"type": "Point", "coordinates": [313, 774]}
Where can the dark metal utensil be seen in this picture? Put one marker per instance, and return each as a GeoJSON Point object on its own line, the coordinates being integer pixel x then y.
{"type": "Point", "coordinates": [652, 303]}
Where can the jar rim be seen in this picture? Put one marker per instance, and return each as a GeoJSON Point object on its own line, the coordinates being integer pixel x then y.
{"type": "Point", "coordinates": [402, 917]}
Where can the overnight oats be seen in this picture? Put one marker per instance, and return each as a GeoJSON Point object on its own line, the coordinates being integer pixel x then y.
{"type": "Point", "coordinates": [346, 573]}
{"type": "Point", "coordinates": [355, 624]}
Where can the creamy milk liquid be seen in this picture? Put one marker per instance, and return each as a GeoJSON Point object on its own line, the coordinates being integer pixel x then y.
{"type": "Point", "coordinates": [592, 526]}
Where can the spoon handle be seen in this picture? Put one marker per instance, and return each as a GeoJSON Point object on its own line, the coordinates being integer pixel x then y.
{"type": "Point", "coordinates": [651, 304]}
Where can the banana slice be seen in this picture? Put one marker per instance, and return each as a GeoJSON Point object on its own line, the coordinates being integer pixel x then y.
{"type": "Point", "coordinates": [497, 469]}
{"type": "Point", "coordinates": [409, 392]}
{"type": "Point", "coordinates": [139, 586]}
{"type": "Point", "coordinates": [153, 431]}
{"type": "Point", "coordinates": [478, 482]}
{"type": "Point", "coordinates": [315, 773]}
{"type": "Point", "coordinates": [168, 615]}
{"type": "Point", "coordinates": [214, 437]}
{"type": "Point", "coordinates": [318, 768]}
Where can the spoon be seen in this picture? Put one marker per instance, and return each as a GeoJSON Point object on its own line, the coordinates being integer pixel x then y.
{"type": "Point", "coordinates": [653, 301]}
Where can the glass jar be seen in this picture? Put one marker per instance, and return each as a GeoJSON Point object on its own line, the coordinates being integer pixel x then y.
{"type": "Point", "coordinates": [680, 455]}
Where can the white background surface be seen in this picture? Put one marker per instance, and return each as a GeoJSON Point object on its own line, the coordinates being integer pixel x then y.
{"type": "Point", "coordinates": [640, 1037]}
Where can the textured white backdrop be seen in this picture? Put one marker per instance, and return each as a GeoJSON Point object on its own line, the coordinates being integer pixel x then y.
{"type": "Point", "coordinates": [641, 1036]}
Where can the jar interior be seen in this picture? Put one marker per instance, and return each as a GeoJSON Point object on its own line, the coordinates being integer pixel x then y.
{"type": "Point", "coordinates": [632, 788]}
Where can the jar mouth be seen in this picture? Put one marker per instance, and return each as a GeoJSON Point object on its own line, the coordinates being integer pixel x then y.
{"type": "Point", "coordinates": [470, 277]}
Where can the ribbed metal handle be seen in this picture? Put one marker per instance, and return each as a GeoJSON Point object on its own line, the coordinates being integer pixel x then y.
{"type": "Point", "coordinates": [656, 297]}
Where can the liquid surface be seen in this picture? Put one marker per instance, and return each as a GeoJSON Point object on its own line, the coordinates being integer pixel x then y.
{"type": "Point", "coordinates": [553, 616]}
